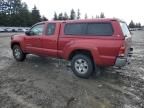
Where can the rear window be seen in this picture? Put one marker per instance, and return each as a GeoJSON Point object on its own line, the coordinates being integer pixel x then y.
{"type": "Point", "coordinates": [88, 29]}
{"type": "Point", "coordinates": [75, 29]}
{"type": "Point", "coordinates": [99, 29]}
{"type": "Point", "coordinates": [125, 29]}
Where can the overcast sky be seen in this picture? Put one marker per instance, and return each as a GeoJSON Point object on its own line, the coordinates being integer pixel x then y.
{"type": "Point", "coordinates": [123, 9]}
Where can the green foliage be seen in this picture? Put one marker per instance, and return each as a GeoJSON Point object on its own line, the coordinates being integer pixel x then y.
{"type": "Point", "coordinates": [134, 25]}
{"type": "Point", "coordinates": [86, 16]}
{"type": "Point", "coordinates": [78, 14]}
{"type": "Point", "coordinates": [102, 15]}
{"type": "Point", "coordinates": [35, 15]}
{"type": "Point", "coordinates": [16, 13]}
{"type": "Point", "coordinates": [97, 16]}
{"type": "Point", "coordinates": [65, 17]}
{"type": "Point", "coordinates": [72, 15]}
{"type": "Point", "coordinates": [138, 25]}
{"type": "Point", "coordinates": [44, 18]}
{"type": "Point", "coordinates": [61, 16]}
{"type": "Point", "coordinates": [55, 16]}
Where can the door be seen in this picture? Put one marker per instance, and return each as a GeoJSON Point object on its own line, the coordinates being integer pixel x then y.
{"type": "Point", "coordinates": [33, 42]}
{"type": "Point", "coordinates": [50, 39]}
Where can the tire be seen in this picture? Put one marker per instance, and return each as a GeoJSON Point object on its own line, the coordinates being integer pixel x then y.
{"type": "Point", "coordinates": [18, 53]}
{"type": "Point", "coordinates": [82, 66]}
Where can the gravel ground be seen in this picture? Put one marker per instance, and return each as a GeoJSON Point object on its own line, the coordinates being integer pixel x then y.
{"type": "Point", "coordinates": [49, 83]}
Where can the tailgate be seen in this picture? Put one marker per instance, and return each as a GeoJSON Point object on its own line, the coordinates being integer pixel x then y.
{"type": "Point", "coordinates": [128, 39]}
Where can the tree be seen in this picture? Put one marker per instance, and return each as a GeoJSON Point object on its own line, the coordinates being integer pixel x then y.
{"type": "Point", "coordinates": [138, 25]}
{"type": "Point", "coordinates": [24, 16]}
{"type": "Point", "coordinates": [97, 16]}
{"type": "Point", "coordinates": [3, 19]}
{"type": "Point", "coordinates": [55, 16]}
{"type": "Point", "coordinates": [131, 24]}
{"type": "Point", "coordinates": [72, 15]}
{"type": "Point", "coordinates": [86, 16]}
{"type": "Point", "coordinates": [60, 17]}
{"type": "Point", "coordinates": [9, 9]}
{"type": "Point", "coordinates": [78, 14]}
{"type": "Point", "coordinates": [35, 15]}
{"type": "Point", "coordinates": [16, 13]}
{"type": "Point", "coordinates": [4, 6]}
{"type": "Point", "coordinates": [65, 17]}
{"type": "Point", "coordinates": [102, 15]}
{"type": "Point", "coordinates": [44, 18]}
{"type": "Point", "coordinates": [16, 6]}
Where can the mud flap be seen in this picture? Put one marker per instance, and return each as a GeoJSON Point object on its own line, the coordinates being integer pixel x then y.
{"type": "Point", "coordinates": [97, 71]}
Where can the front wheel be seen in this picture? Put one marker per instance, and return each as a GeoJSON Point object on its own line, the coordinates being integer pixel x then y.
{"type": "Point", "coordinates": [82, 66]}
{"type": "Point", "coordinates": [18, 53]}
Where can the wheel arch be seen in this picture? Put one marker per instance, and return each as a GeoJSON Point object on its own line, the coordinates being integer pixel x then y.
{"type": "Point", "coordinates": [15, 43]}
{"type": "Point", "coordinates": [80, 51]}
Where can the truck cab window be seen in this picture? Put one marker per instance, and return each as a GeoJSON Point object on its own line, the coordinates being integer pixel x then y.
{"type": "Point", "coordinates": [37, 30]}
{"type": "Point", "coordinates": [51, 28]}
{"type": "Point", "coordinates": [75, 29]}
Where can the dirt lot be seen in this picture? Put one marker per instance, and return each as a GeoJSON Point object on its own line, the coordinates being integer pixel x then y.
{"type": "Point", "coordinates": [49, 83]}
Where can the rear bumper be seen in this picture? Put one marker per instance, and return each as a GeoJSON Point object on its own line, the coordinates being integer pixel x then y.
{"type": "Point", "coordinates": [122, 61]}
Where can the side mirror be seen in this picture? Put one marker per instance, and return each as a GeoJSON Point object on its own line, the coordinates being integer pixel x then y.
{"type": "Point", "coordinates": [28, 33]}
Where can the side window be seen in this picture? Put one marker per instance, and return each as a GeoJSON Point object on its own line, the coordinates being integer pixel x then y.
{"type": "Point", "coordinates": [37, 30]}
{"type": "Point", "coordinates": [99, 29]}
{"type": "Point", "coordinates": [75, 29]}
{"type": "Point", "coordinates": [51, 28]}
{"type": "Point", "coordinates": [124, 28]}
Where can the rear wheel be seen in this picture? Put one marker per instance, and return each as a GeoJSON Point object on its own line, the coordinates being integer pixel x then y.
{"type": "Point", "coordinates": [82, 66]}
{"type": "Point", "coordinates": [18, 53]}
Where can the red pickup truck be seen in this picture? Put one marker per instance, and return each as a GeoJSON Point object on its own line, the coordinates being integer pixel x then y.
{"type": "Point", "coordinates": [88, 44]}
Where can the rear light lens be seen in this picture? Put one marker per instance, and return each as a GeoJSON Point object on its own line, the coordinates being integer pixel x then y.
{"type": "Point", "coordinates": [122, 51]}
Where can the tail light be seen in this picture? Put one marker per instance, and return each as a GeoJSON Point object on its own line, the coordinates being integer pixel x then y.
{"type": "Point", "coordinates": [122, 51]}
